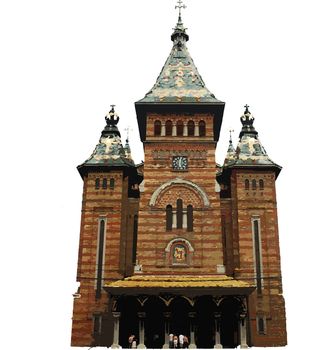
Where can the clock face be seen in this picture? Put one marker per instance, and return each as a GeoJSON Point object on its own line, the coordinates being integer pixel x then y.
{"type": "Point", "coordinates": [180, 163]}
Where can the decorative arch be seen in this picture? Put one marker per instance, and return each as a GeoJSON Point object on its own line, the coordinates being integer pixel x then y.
{"type": "Point", "coordinates": [179, 240]}
{"type": "Point", "coordinates": [179, 181]}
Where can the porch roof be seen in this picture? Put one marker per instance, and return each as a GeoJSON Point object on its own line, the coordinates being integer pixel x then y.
{"type": "Point", "coordinates": [148, 282]}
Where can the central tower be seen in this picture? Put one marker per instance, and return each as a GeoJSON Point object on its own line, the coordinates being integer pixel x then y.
{"type": "Point", "coordinates": [179, 217]}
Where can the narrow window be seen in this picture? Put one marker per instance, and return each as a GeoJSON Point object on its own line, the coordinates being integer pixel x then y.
{"type": "Point", "coordinates": [100, 256]}
{"type": "Point", "coordinates": [97, 325]}
{"type": "Point", "coordinates": [261, 325]}
{"type": "Point", "coordinates": [261, 184]}
{"type": "Point", "coordinates": [169, 216]}
{"type": "Point", "coordinates": [157, 128]}
{"type": "Point", "coordinates": [202, 128]}
{"type": "Point", "coordinates": [254, 185]}
{"type": "Point", "coordinates": [168, 128]}
{"type": "Point", "coordinates": [257, 254]}
{"type": "Point", "coordinates": [97, 183]}
{"type": "Point", "coordinates": [112, 183]}
{"type": "Point", "coordinates": [191, 128]}
{"type": "Point", "coordinates": [179, 128]}
{"type": "Point", "coordinates": [135, 227]}
{"type": "Point", "coordinates": [179, 213]}
{"type": "Point", "coordinates": [247, 184]}
{"type": "Point", "coordinates": [189, 218]}
{"type": "Point", "coordinates": [104, 183]}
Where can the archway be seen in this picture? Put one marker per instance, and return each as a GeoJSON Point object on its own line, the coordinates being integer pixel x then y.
{"type": "Point", "coordinates": [179, 323]}
{"type": "Point", "coordinates": [205, 329]}
{"type": "Point", "coordinates": [154, 323]}
{"type": "Point", "coordinates": [229, 330]}
{"type": "Point", "coordinates": [128, 307]}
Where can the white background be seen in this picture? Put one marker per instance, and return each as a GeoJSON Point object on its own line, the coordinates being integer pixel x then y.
{"type": "Point", "coordinates": [64, 62]}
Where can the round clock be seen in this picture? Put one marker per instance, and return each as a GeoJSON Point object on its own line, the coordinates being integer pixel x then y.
{"type": "Point", "coordinates": [180, 163]}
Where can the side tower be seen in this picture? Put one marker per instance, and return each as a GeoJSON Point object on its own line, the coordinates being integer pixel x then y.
{"type": "Point", "coordinates": [249, 215]}
{"type": "Point", "coordinates": [106, 250]}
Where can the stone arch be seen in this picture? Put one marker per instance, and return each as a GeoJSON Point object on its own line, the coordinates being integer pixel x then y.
{"type": "Point", "coordinates": [202, 194]}
{"type": "Point", "coordinates": [179, 240]}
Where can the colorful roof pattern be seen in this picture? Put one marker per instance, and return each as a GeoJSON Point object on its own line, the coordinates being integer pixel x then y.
{"type": "Point", "coordinates": [249, 150]}
{"type": "Point", "coordinates": [179, 80]}
{"type": "Point", "coordinates": [140, 281]}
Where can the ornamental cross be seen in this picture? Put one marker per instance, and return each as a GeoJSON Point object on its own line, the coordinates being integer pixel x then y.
{"type": "Point", "coordinates": [128, 129]}
{"type": "Point", "coordinates": [180, 6]}
{"type": "Point", "coordinates": [247, 108]}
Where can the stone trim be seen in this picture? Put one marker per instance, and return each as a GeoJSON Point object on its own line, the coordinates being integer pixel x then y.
{"type": "Point", "coordinates": [179, 181]}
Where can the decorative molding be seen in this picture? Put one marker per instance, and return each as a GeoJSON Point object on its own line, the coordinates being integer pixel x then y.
{"type": "Point", "coordinates": [179, 181]}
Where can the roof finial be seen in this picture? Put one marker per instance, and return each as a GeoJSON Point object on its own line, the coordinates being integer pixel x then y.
{"type": "Point", "coordinates": [231, 130]}
{"type": "Point", "coordinates": [112, 118]}
{"type": "Point", "coordinates": [246, 109]}
{"type": "Point", "coordinates": [180, 6]}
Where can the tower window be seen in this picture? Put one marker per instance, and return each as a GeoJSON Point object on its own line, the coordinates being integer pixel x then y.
{"type": "Point", "coordinates": [254, 185]}
{"type": "Point", "coordinates": [169, 216]}
{"type": "Point", "coordinates": [247, 184]}
{"type": "Point", "coordinates": [97, 319]}
{"type": "Point", "coordinates": [135, 228]}
{"type": "Point", "coordinates": [157, 128]}
{"type": "Point", "coordinates": [179, 128]}
{"type": "Point", "coordinates": [100, 256]}
{"type": "Point", "coordinates": [179, 213]}
{"type": "Point", "coordinates": [168, 128]}
{"type": "Point", "coordinates": [261, 184]}
{"type": "Point", "coordinates": [257, 254]}
{"type": "Point", "coordinates": [202, 128]}
{"type": "Point", "coordinates": [191, 128]}
{"type": "Point", "coordinates": [189, 218]}
{"type": "Point", "coordinates": [112, 183]}
{"type": "Point", "coordinates": [97, 184]}
{"type": "Point", "coordinates": [104, 183]}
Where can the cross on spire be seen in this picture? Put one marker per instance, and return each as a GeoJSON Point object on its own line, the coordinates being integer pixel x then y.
{"type": "Point", "coordinates": [128, 129]}
{"type": "Point", "coordinates": [247, 109]}
{"type": "Point", "coordinates": [180, 6]}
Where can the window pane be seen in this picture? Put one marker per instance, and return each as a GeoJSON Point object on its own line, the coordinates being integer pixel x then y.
{"type": "Point", "coordinates": [179, 213]}
{"type": "Point", "coordinates": [157, 128]}
{"type": "Point", "coordinates": [191, 128]}
{"type": "Point", "coordinates": [190, 218]}
{"type": "Point", "coordinates": [179, 128]}
{"type": "Point", "coordinates": [168, 128]}
{"type": "Point", "coordinates": [202, 128]}
{"type": "Point", "coordinates": [169, 217]}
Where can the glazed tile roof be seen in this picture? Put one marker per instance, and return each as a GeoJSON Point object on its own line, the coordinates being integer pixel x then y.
{"type": "Point", "coordinates": [179, 80]}
{"type": "Point", "coordinates": [140, 281]}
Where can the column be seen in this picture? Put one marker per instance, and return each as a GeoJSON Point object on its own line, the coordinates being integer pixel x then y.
{"type": "Point", "coordinates": [185, 129]}
{"type": "Point", "coordinates": [163, 129]}
{"type": "Point", "coordinates": [174, 130]}
{"type": "Point", "coordinates": [243, 331]}
{"type": "Point", "coordinates": [218, 344]}
{"type": "Point", "coordinates": [116, 316]}
{"type": "Point", "coordinates": [166, 329]}
{"type": "Point", "coordinates": [184, 219]}
{"type": "Point", "coordinates": [141, 316]}
{"type": "Point", "coordinates": [192, 316]}
{"type": "Point", "coordinates": [196, 129]}
{"type": "Point", "coordinates": [174, 219]}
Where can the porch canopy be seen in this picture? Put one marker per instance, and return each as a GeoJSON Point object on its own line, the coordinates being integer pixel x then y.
{"type": "Point", "coordinates": [190, 285]}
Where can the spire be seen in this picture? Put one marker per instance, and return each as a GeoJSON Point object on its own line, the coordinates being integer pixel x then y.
{"type": "Point", "coordinates": [179, 80]}
{"type": "Point", "coordinates": [127, 149]}
{"type": "Point", "coordinates": [249, 151]}
{"type": "Point", "coordinates": [230, 155]}
{"type": "Point", "coordinates": [109, 151]}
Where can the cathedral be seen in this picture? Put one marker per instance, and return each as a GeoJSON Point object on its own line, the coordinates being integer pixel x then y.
{"type": "Point", "coordinates": [179, 251]}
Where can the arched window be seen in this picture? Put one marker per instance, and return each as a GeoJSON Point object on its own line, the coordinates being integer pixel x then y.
{"type": "Point", "coordinates": [261, 184]}
{"type": "Point", "coordinates": [179, 213]}
{"type": "Point", "coordinates": [247, 184]}
{"type": "Point", "coordinates": [191, 128]}
{"type": "Point", "coordinates": [202, 128]}
{"type": "Point", "coordinates": [168, 128]}
{"type": "Point", "coordinates": [179, 128]}
{"type": "Point", "coordinates": [112, 183]}
{"type": "Point", "coordinates": [169, 217]}
{"type": "Point", "coordinates": [254, 185]}
{"type": "Point", "coordinates": [100, 256]}
{"type": "Point", "coordinates": [189, 218]}
{"type": "Point", "coordinates": [157, 128]}
{"type": "Point", "coordinates": [97, 184]}
{"type": "Point", "coordinates": [104, 183]}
